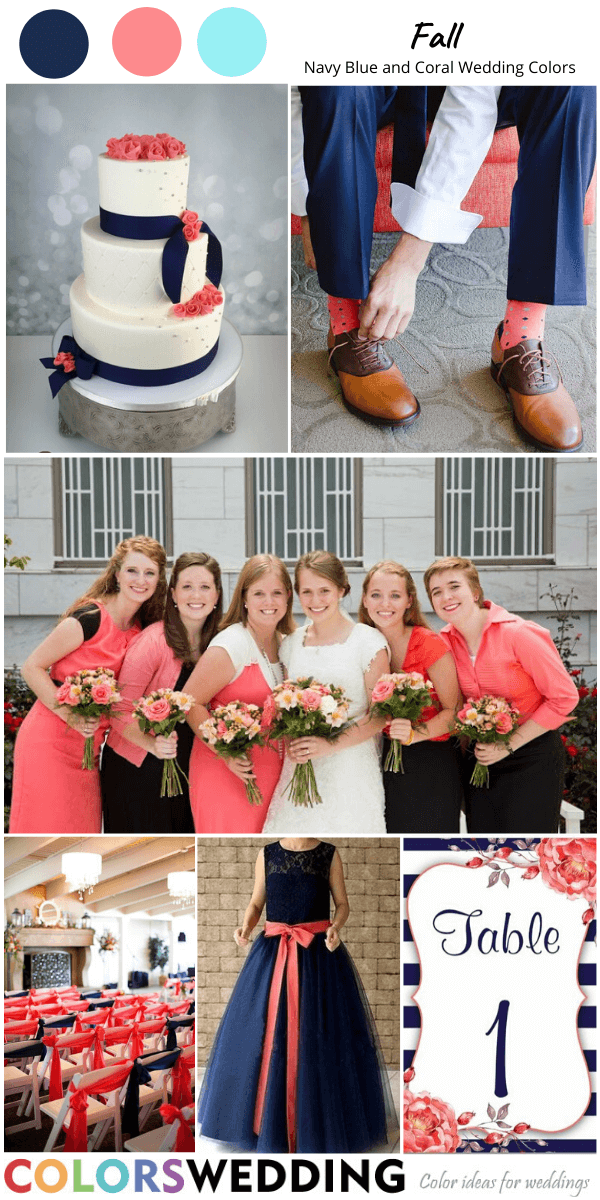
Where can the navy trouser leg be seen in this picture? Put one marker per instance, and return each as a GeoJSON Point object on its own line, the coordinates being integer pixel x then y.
{"type": "Point", "coordinates": [340, 131]}
{"type": "Point", "coordinates": [557, 134]}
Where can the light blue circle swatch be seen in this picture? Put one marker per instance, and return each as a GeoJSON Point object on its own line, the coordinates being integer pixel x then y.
{"type": "Point", "coordinates": [232, 41]}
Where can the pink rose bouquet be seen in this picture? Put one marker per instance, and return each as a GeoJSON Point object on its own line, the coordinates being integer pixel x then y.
{"type": "Point", "coordinates": [404, 695]}
{"type": "Point", "coordinates": [490, 720]}
{"type": "Point", "coordinates": [89, 693]}
{"type": "Point", "coordinates": [304, 708]}
{"type": "Point", "coordinates": [232, 730]}
{"type": "Point", "coordinates": [158, 714]}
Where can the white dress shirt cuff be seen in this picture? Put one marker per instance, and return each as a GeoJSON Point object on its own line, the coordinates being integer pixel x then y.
{"type": "Point", "coordinates": [431, 220]}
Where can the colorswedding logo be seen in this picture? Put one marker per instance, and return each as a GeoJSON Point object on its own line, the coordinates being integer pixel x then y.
{"type": "Point", "coordinates": [224, 1176]}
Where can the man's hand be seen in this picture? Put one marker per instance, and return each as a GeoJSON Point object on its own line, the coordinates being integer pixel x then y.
{"type": "Point", "coordinates": [391, 300]}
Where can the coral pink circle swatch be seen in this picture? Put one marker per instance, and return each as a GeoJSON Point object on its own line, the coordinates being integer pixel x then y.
{"type": "Point", "coordinates": [146, 41]}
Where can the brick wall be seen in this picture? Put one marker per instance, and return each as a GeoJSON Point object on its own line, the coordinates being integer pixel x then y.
{"type": "Point", "coordinates": [372, 933]}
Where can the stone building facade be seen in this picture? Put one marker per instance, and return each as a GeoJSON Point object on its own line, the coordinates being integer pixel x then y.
{"type": "Point", "coordinates": [530, 521]}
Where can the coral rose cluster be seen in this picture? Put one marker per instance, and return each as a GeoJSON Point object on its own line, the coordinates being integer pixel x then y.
{"type": "Point", "coordinates": [568, 865]}
{"type": "Point", "coordinates": [150, 147]}
{"type": "Point", "coordinates": [401, 694]}
{"type": "Point", "coordinates": [201, 303]}
{"type": "Point", "coordinates": [90, 693]}
{"type": "Point", "coordinates": [157, 714]}
{"type": "Point", "coordinates": [66, 361]}
{"type": "Point", "coordinates": [430, 1125]}
{"type": "Point", "coordinates": [232, 730]}
{"type": "Point", "coordinates": [490, 720]}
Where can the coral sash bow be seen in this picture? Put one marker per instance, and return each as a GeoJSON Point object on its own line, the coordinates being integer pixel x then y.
{"type": "Point", "coordinates": [291, 936]}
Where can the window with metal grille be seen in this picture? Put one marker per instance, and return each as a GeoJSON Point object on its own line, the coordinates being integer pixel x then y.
{"type": "Point", "coordinates": [495, 508]}
{"type": "Point", "coordinates": [100, 501]}
{"type": "Point", "coordinates": [295, 505]}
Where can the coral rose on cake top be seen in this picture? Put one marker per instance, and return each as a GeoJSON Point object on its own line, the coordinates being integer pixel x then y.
{"type": "Point", "coordinates": [134, 146]}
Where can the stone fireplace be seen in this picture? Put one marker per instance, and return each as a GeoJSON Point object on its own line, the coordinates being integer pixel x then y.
{"type": "Point", "coordinates": [49, 954]}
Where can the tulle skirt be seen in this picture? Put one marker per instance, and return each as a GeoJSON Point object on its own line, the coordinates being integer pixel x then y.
{"type": "Point", "coordinates": [343, 1099]}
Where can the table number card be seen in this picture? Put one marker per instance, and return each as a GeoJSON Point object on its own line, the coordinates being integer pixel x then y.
{"type": "Point", "coordinates": [498, 930]}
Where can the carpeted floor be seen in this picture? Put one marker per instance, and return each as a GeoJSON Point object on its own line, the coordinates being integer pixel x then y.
{"type": "Point", "coordinates": [461, 297]}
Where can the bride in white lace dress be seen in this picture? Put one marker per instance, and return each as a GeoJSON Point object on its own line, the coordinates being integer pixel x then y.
{"type": "Point", "coordinates": [333, 650]}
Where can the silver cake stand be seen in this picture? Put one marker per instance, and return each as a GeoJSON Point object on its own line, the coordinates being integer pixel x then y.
{"type": "Point", "coordinates": [179, 416]}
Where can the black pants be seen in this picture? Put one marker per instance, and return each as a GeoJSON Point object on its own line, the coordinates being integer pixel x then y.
{"type": "Point", "coordinates": [525, 791]}
{"type": "Point", "coordinates": [428, 796]}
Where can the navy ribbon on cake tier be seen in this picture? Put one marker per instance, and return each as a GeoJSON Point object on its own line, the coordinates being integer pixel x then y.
{"type": "Point", "coordinates": [176, 246]}
{"type": "Point", "coordinates": [81, 365]}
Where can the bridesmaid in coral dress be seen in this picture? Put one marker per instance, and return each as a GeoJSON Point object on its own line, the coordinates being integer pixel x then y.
{"type": "Point", "coordinates": [51, 792]}
{"type": "Point", "coordinates": [241, 663]}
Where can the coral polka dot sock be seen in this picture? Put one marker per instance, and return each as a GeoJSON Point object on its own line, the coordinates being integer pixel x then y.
{"type": "Point", "coordinates": [522, 320]}
{"type": "Point", "coordinates": [343, 314]}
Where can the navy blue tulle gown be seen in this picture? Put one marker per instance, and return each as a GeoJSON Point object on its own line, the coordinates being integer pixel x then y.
{"type": "Point", "coordinates": [342, 1101]}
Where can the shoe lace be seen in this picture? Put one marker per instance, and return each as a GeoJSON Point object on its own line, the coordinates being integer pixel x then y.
{"type": "Point", "coordinates": [367, 351]}
{"type": "Point", "coordinates": [534, 364]}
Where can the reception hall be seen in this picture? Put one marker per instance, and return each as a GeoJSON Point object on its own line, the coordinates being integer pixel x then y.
{"type": "Point", "coordinates": [99, 994]}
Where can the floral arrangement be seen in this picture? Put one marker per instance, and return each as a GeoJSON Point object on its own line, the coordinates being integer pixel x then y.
{"type": "Point", "coordinates": [403, 694]}
{"type": "Point", "coordinates": [158, 714]}
{"type": "Point", "coordinates": [107, 942]}
{"type": "Point", "coordinates": [232, 730]}
{"type": "Point", "coordinates": [12, 944]}
{"type": "Point", "coordinates": [432, 1127]}
{"type": "Point", "coordinates": [89, 693]}
{"type": "Point", "coordinates": [490, 720]}
{"type": "Point", "coordinates": [201, 303]}
{"type": "Point", "coordinates": [66, 361]}
{"type": "Point", "coordinates": [134, 146]}
{"type": "Point", "coordinates": [305, 708]}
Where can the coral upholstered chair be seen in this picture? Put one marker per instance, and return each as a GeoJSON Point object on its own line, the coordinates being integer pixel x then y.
{"type": "Point", "coordinates": [490, 192]}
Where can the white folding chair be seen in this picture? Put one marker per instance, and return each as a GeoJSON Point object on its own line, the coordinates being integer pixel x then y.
{"type": "Point", "coordinates": [159, 1140]}
{"type": "Point", "coordinates": [23, 1084]}
{"type": "Point", "coordinates": [99, 1115]}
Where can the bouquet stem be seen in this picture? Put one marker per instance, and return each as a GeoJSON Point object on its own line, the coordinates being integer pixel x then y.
{"type": "Point", "coordinates": [88, 763]}
{"type": "Point", "coordinates": [171, 779]}
{"type": "Point", "coordinates": [393, 761]}
{"type": "Point", "coordinates": [303, 786]}
{"type": "Point", "coordinates": [480, 776]}
{"type": "Point", "coordinates": [253, 792]}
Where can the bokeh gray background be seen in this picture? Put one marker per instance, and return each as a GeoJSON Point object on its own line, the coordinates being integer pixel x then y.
{"type": "Point", "coordinates": [236, 137]}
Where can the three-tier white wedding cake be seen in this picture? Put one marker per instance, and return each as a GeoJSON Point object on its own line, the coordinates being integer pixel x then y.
{"type": "Point", "coordinates": [147, 309]}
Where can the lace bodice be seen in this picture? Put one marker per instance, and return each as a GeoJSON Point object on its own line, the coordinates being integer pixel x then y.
{"type": "Point", "coordinates": [343, 663]}
{"type": "Point", "coordinates": [297, 883]}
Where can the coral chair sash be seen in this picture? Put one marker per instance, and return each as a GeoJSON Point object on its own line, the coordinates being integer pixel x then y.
{"type": "Point", "coordinates": [185, 1135]}
{"type": "Point", "coordinates": [181, 1094]}
{"type": "Point", "coordinates": [291, 936]}
{"type": "Point", "coordinates": [74, 1041]}
{"type": "Point", "coordinates": [76, 1139]}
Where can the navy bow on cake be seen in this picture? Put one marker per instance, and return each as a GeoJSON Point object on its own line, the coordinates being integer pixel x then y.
{"type": "Point", "coordinates": [176, 247]}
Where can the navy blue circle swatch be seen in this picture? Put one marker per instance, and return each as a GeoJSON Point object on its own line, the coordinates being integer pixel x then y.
{"type": "Point", "coordinates": [53, 43]}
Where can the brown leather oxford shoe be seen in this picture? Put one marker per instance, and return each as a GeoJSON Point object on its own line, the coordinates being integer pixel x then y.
{"type": "Point", "coordinates": [373, 388]}
{"type": "Point", "coordinates": [543, 411]}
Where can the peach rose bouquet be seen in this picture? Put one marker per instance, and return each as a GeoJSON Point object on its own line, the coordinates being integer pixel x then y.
{"type": "Point", "coordinates": [490, 720]}
{"type": "Point", "coordinates": [158, 714]}
{"type": "Point", "coordinates": [90, 693]}
{"type": "Point", "coordinates": [232, 730]}
{"type": "Point", "coordinates": [403, 694]}
{"type": "Point", "coordinates": [305, 708]}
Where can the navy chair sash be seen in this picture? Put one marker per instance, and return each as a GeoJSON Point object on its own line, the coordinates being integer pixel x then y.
{"type": "Point", "coordinates": [140, 1076]}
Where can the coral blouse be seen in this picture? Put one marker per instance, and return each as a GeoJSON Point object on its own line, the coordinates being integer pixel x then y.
{"type": "Point", "coordinates": [424, 649]}
{"type": "Point", "coordinates": [149, 664]}
{"type": "Point", "coordinates": [518, 660]}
